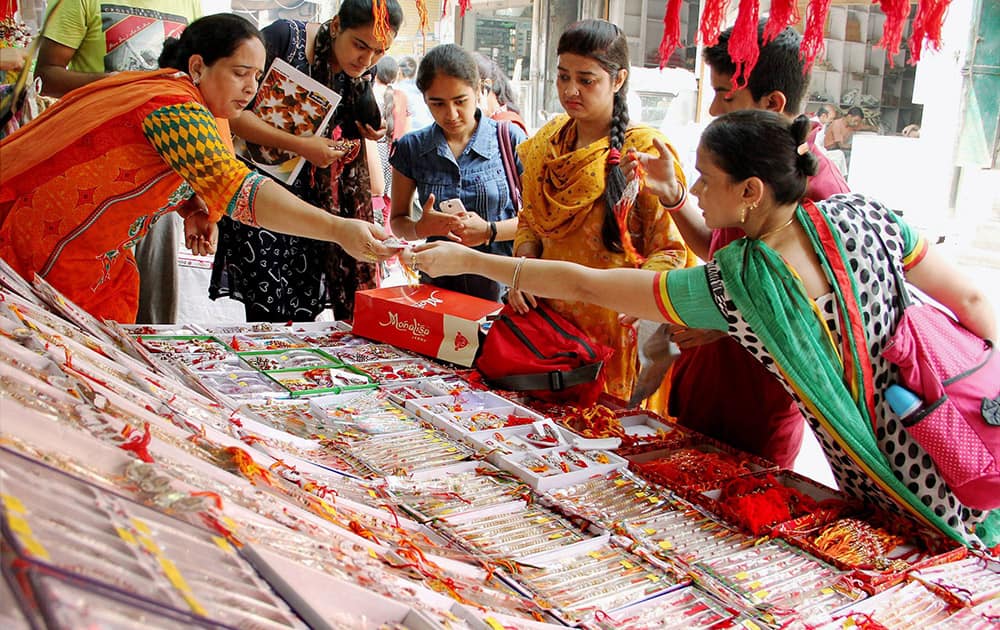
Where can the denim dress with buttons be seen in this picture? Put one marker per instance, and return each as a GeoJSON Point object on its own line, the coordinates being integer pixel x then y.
{"type": "Point", "coordinates": [476, 177]}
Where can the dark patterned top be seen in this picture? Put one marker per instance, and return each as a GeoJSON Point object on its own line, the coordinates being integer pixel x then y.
{"type": "Point", "coordinates": [290, 278]}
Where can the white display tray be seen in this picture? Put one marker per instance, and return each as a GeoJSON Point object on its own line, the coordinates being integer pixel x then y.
{"type": "Point", "coordinates": [514, 440]}
{"type": "Point", "coordinates": [317, 596]}
{"type": "Point", "coordinates": [542, 483]}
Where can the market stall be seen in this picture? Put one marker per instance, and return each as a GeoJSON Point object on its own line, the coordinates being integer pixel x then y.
{"type": "Point", "coordinates": [297, 476]}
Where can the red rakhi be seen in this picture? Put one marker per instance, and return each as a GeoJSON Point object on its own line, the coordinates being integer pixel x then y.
{"type": "Point", "coordinates": [622, 211]}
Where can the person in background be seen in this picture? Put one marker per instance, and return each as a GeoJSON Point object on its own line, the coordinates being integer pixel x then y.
{"type": "Point", "coordinates": [287, 278]}
{"type": "Point", "coordinates": [770, 292]}
{"type": "Point", "coordinates": [709, 360]}
{"type": "Point", "coordinates": [497, 94]}
{"type": "Point", "coordinates": [456, 158]}
{"type": "Point", "coordinates": [112, 146]}
{"type": "Point", "coordinates": [824, 116]}
{"type": "Point", "coordinates": [85, 40]}
{"type": "Point", "coordinates": [573, 184]}
{"type": "Point", "coordinates": [395, 116]}
{"type": "Point", "coordinates": [420, 115]}
{"type": "Point", "coordinates": [840, 132]}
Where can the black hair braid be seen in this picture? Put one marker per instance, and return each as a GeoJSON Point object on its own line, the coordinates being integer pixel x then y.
{"type": "Point", "coordinates": [614, 184]}
{"type": "Point", "coordinates": [806, 163]}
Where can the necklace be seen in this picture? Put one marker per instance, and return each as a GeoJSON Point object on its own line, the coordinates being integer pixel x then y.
{"type": "Point", "coordinates": [761, 237]}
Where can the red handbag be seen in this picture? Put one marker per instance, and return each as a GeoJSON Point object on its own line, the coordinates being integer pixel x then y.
{"type": "Point", "coordinates": [544, 354]}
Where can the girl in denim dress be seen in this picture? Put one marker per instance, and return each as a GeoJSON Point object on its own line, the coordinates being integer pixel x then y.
{"type": "Point", "coordinates": [457, 157]}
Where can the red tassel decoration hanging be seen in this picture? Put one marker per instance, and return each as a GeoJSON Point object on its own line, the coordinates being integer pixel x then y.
{"type": "Point", "coordinates": [671, 31]}
{"type": "Point", "coordinates": [424, 19]}
{"type": "Point", "coordinates": [927, 27]}
{"type": "Point", "coordinates": [783, 13]}
{"type": "Point", "coordinates": [711, 21]}
{"type": "Point", "coordinates": [743, 47]}
{"type": "Point", "coordinates": [7, 9]}
{"type": "Point", "coordinates": [812, 40]}
{"type": "Point", "coordinates": [896, 12]}
{"type": "Point", "coordinates": [380, 27]}
{"type": "Point", "coordinates": [463, 6]}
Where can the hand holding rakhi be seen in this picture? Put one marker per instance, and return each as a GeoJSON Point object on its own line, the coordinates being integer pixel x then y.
{"type": "Point", "coordinates": [659, 170]}
{"type": "Point", "coordinates": [439, 258]}
{"type": "Point", "coordinates": [622, 211]}
{"type": "Point", "coordinates": [322, 151]}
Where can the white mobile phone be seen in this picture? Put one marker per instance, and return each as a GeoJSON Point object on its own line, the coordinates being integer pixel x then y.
{"type": "Point", "coordinates": [452, 206]}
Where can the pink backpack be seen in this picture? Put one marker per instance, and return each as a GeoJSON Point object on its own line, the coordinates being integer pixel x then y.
{"type": "Point", "coordinates": [957, 375]}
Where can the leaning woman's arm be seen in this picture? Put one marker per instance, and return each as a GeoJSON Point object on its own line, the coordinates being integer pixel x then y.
{"type": "Point", "coordinates": [943, 282]}
{"type": "Point", "coordinates": [679, 297]}
{"type": "Point", "coordinates": [229, 188]}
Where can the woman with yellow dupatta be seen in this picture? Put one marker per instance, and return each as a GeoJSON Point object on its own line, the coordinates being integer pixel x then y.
{"type": "Point", "coordinates": [573, 182]}
{"type": "Point", "coordinates": [76, 184]}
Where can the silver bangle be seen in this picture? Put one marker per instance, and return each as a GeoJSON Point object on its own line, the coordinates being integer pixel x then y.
{"type": "Point", "coordinates": [517, 273]}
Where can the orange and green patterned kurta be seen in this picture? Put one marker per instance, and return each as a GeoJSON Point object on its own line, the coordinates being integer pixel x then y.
{"type": "Point", "coordinates": [77, 184]}
{"type": "Point", "coordinates": [564, 212]}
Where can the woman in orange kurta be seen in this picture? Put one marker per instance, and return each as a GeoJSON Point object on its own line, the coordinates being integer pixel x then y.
{"type": "Point", "coordinates": [78, 183]}
{"type": "Point", "coordinates": [571, 179]}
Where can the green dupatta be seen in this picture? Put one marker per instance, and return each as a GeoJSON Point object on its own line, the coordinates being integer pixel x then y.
{"type": "Point", "coordinates": [773, 301]}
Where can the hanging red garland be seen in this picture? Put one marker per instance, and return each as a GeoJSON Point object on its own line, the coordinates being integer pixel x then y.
{"type": "Point", "coordinates": [463, 6]}
{"type": "Point", "coordinates": [896, 12]}
{"type": "Point", "coordinates": [743, 47]}
{"type": "Point", "coordinates": [711, 21]}
{"type": "Point", "coordinates": [812, 40]}
{"type": "Point", "coordinates": [671, 31]}
{"type": "Point", "coordinates": [7, 9]}
{"type": "Point", "coordinates": [927, 27]}
{"type": "Point", "coordinates": [784, 13]}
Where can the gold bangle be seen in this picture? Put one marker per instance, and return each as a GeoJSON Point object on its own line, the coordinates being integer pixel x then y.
{"type": "Point", "coordinates": [517, 273]}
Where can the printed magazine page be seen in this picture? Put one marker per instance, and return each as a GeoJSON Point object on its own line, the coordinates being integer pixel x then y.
{"type": "Point", "coordinates": [292, 102]}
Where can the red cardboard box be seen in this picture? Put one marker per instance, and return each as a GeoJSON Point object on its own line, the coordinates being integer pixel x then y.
{"type": "Point", "coordinates": [425, 319]}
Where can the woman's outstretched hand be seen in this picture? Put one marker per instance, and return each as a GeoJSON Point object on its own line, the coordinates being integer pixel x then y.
{"type": "Point", "coordinates": [660, 174]}
{"type": "Point", "coordinates": [364, 241]}
{"type": "Point", "coordinates": [439, 258]}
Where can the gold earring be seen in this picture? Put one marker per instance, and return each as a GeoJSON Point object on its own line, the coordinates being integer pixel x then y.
{"type": "Point", "coordinates": [746, 210]}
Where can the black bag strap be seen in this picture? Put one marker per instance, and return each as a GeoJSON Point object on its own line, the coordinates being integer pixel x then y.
{"type": "Point", "coordinates": [523, 338]}
{"type": "Point", "coordinates": [509, 163]}
{"type": "Point", "coordinates": [555, 381]}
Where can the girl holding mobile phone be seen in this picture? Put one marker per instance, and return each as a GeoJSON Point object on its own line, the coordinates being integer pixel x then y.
{"type": "Point", "coordinates": [455, 168]}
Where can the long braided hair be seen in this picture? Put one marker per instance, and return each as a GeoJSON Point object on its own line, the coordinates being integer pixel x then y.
{"type": "Point", "coordinates": [606, 44]}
